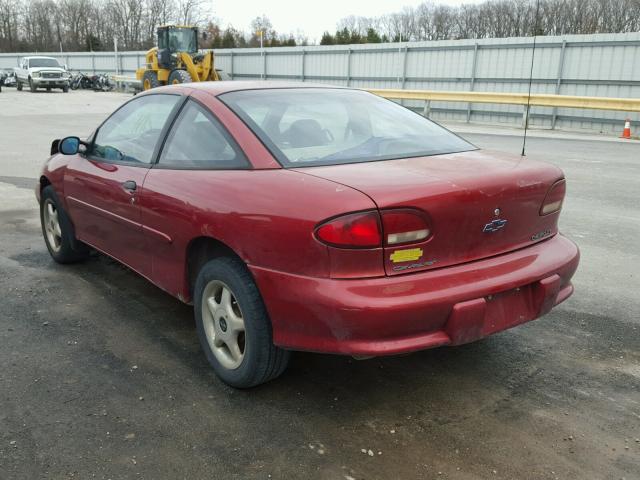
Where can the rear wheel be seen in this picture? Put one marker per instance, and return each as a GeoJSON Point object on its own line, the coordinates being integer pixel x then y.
{"type": "Point", "coordinates": [19, 85]}
{"type": "Point", "coordinates": [57, 230]}
{"type": "Point", "coordinates": [179, 76]}
{"type": "Point", "coordinates": [150, 80]}
{"type": "Point", "coordinates": [233, 326]}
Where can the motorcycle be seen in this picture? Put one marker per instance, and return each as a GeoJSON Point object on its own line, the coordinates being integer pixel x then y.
{"type": "Point", "coordinates": [7, 79]}
{"type": "Point", "coordinates": [10, 80]}
{"type": "Point", "coordinates": [102, 83]}
{"type": "Point", "coordinates": [80, 80]}
{"type": "Point", "coordinates": [98, 83]}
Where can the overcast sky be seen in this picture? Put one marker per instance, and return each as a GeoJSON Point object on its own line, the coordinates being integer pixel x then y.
{"type": "Point", "coordinates": [310, 16]}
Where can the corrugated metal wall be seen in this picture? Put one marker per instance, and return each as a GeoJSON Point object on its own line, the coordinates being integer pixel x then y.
{"type": "Point", "coordinates": [593, 65]}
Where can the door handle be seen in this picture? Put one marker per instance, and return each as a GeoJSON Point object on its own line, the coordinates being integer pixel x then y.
{"type": "Point", "coordinates": [130, 186]}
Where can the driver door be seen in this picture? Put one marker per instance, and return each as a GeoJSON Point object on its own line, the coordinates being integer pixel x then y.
{"type": "Point", "coordinates": [102, 185]}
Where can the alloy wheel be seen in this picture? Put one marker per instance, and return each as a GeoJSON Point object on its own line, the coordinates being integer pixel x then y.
{"type": "Point", "coordinates": [51, 225]}
{"type": "Point", "coordinates": [223, 324]}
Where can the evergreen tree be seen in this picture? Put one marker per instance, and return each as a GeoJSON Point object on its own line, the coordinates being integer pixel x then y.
{"type": "Point", "coordinates": [327, 39]}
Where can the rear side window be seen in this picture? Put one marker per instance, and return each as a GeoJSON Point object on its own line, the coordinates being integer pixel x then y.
{"type": "Point", "coordinates": [130, 135]}
{"type": "Point", "coordinates": [198, 141]}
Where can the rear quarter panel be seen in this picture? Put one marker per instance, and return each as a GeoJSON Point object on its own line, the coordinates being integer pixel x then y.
{"type": "Point", "coordinates": [267, 217]}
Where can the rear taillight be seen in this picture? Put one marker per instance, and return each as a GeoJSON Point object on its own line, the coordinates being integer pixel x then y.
{"type": "Point", "coordinates": [356, 230]}
{"type": "Point", "coordinates": [404, 226]}
{"type": "Point", "coordinates": [553, 200]}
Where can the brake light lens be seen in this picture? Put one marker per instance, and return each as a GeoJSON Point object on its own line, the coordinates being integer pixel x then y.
{"type": "Point", "coordinates": [404, 226]}
{"type": "Point", "coordinates": [553, 200]}
{"type": "Point", "coordinates": [356, 230]}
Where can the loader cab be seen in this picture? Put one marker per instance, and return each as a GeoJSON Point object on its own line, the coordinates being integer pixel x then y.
{"type": "Point", "coordinates": [174, 39]}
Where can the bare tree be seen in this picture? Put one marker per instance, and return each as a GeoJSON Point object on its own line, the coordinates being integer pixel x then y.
{"type": "Point", "coordinates": [51, 25]}
{"type": "Point", "coordinates": [190, 12]}
{"type": "Point", "coordinates": [504, 18]}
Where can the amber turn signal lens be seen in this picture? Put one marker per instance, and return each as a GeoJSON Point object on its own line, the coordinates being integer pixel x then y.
{"type": "Point", "coordinates": [553, 200]}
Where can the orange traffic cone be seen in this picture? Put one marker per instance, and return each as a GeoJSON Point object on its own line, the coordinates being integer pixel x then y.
{"type": "Point", "coordinates": [626, 133]}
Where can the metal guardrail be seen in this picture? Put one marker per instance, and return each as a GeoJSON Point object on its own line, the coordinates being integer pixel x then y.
{"type": "Point", "coordinates": [537, 99]}
{"type": "Point", "coordinates": [540, 100]}
{"type": "Point", "coordinates": [124, 81]}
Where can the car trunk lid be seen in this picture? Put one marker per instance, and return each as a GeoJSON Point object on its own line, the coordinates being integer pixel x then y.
{"type": "Point", "coordinates": [478, 204]}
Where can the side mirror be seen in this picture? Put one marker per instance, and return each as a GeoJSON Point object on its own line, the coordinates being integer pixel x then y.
{"type": "Point", "coordinates": [69, 146]}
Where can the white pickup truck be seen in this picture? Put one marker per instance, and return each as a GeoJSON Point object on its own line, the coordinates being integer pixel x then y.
{"type": "Point", "coordinates": [41, 72]}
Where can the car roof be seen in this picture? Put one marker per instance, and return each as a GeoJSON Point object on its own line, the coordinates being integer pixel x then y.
{"type": "Point", "coordinates": [225, 86]}
{"type": "Point", "coordinates": [39, 56]}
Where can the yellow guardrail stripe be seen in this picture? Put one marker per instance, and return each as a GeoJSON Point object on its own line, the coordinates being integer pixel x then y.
{"type": "Point", "coordinates": [542, 100]}
{"type": "Point", "coordinates": [537, 99]}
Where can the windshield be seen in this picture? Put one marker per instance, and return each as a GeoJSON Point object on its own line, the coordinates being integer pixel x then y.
{"type": "Point", "coordinates": [182, 40]}
{"type": "Point", "coordinates": [324, 126]}
{"type": "Point", "coordinates": [43, 62]}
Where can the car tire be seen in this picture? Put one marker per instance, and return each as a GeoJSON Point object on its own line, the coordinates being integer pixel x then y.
{"type": "Point", "coordinates": [150, 80]}
{"type": "Point", "coordinates": [57, 229]}
{"type": "Point", "coordinates": [65, 89]}
{"type": "Point", "coordinates": [179, 76]}
{"type": "Point", "coordinates": [259, 360]}
{"type": "Point", "coordinates": [32, 86]}
{"type": "Point", "coordinates": [19, 85]}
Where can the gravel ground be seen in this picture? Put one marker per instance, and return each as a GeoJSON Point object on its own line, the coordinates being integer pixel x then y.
{"type": "Point", "coordinates": [102, 376]}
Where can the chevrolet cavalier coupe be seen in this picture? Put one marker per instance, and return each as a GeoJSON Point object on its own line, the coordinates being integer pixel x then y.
{"type": "Point", "coordinates": [300, 217]}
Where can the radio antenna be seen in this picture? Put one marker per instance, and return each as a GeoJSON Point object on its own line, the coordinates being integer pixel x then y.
{"type": "Point", "coordinates": [533, 56]}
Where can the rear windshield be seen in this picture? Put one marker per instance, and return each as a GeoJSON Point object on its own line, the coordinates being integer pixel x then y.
{"type": "Point", "coordinates": [43, 62]}
{"type": "Point", "coordinates": [324, 126]}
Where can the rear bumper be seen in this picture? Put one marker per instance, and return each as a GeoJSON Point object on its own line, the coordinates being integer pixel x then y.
{"type": "Point", "coordinates": [404, 313]}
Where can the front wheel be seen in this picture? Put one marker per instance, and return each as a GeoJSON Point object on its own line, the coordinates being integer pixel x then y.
{"type": "Point", "coordinates": [150, 80]}
{"type": "Point", "coordinates": [233, 326]}
{"type": "Point", "coordinates": [32, 86]}
{"type": "Point", "coordinates": [57, 230]}
{"type": "Point", "coordinates": [179, 76]}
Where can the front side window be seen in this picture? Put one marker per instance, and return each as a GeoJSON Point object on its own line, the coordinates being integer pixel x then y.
{"type": "Point", "coordinates": [132, 133]}
{"type": "Point", "coordinates": [197, 140]}
{"type": "Point", "coordinates": [325, 126]}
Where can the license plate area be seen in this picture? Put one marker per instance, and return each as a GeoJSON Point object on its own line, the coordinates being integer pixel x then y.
{"type": "Point", "coordinates": [508, 309]}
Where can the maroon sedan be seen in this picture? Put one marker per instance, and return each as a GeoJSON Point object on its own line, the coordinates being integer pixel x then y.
{"type": "Point", "coordinates": [299, 217]}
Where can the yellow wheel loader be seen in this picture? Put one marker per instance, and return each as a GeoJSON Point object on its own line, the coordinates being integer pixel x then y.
{"type": "Point", "coordinates": [176, 59]}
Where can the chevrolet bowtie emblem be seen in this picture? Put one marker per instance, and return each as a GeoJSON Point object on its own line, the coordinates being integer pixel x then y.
{"type": "Point", "coordinates": [494, 225]}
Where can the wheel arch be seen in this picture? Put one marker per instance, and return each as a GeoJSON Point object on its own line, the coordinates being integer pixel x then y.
{"type": "Point", "coordinates": [43, 182]}
{"type": "Point", "coordinates": [199, 251]}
